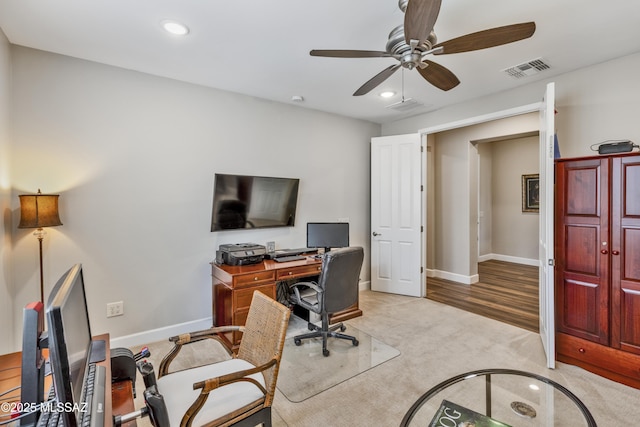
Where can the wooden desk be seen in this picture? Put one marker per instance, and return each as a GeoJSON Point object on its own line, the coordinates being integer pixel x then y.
{"type": "Point", "coordinates": [233, 288]}
{"type": "Point", "coordinates": [10, 376]}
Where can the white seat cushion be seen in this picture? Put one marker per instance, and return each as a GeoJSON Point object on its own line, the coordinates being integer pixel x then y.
{"type": "Point", "coordinates": [178, 393]}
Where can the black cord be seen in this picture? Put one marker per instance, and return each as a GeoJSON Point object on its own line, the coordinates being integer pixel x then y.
{"type": "Point", "coordinates": [9, 390]}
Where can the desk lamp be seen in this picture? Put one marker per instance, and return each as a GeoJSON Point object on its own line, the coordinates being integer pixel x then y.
{"type": "Point", "coordinates": [38, 211]}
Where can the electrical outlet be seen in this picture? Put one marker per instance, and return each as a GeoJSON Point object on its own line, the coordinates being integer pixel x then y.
{"type": "Point", "coordinates": [115, 309]}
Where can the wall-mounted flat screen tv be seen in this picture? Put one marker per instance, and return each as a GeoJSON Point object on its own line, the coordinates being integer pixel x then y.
{"type": "Point", "coordinates": [245, 202]}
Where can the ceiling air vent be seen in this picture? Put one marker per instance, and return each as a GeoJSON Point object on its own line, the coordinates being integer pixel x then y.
{"type": "Point", "coordinates": [527, 68]}
{"type": "Point", "coordinates": [405, 105]}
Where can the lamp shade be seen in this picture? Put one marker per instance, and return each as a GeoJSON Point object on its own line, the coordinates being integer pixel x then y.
{"type": "Point", "coordinates": [39, 210]}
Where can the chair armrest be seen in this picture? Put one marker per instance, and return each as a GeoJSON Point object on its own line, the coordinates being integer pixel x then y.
{"type": "Point", "coordinates": [192, 337]}
{"type": "Point", "coordinates": [312, 285]}
{"type": "Point", "coordinates": [211, 384]}
{"type": "Point", "coordinates": [203, 334]}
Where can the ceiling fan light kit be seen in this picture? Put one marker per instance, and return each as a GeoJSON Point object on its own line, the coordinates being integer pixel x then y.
{"type": "Point", "coordinates": [174, 27]}
{"type": "Point", "coordinates": [411, 42]}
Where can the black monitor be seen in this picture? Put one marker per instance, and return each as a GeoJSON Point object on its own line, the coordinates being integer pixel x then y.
{"type": "Point", "coordinates": [70, 344]}
{"type": "Point", "coordinates": [327, 235]}
{"type": "Point", "coordinates": [33, 366]}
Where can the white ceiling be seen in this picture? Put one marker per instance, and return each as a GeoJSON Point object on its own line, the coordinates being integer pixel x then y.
{"type": "Point", "coordinates": [261, 47]}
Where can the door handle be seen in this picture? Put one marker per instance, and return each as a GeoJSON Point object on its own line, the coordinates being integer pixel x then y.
{"type": "Point", "coordinates": [604, 251]}
{"type": "Point", "coordinates": [615, 252]}
{"type": "Point", "coordinates": [376, 234]}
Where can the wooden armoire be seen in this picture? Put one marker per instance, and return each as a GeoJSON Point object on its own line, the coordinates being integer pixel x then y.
{"type": "Point", "coordinates": [597, 273]}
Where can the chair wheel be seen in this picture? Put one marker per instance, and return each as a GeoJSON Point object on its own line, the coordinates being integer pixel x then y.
{"type": "Point", "coordinates": [311, 327]}
{"type": "Point", "coordinates": [325, 353]}
{"type": "Point", "coordinates": [355, 342]}
{"type": "Point", "coordinates": [297, 341]}
{"type": "Point", "coordinates": [343, 328]}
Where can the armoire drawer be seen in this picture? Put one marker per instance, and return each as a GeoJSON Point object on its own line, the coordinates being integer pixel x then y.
{"type": "Point", "coordinates": [603, 360]}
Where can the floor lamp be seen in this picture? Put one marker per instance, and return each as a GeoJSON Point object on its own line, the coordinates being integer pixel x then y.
{"type": "Point", "coordinates": [38, 211]}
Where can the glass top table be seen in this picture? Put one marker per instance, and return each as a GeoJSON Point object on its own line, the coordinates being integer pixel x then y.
{"type": "Point", "coordinates": [500, 398]}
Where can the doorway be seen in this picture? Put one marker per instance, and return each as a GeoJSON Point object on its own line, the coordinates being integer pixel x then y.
{"type": "Point", "coordinates": [502, 281]}
{"type": "Point", "coordinates": [457, 211]}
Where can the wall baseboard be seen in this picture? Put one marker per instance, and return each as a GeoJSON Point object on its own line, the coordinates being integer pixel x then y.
{"type": "Point", "coordinates": [509, 258]}
{"type": "Point", "coordinates": [454, 277]}
{"type": "Point", "coordinates": [160, 334]}
{"type": "Point", "coordinates": [468, 280]}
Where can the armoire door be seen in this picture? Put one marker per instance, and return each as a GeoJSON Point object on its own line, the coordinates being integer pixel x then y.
{"type": "Point", "coordinates": [625, 254]}
{"type": "Point", "coordinates": [582, 249]}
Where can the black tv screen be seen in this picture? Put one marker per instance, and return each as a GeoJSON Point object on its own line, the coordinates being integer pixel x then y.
{"type": "Point", "coordinates": [245, 202]}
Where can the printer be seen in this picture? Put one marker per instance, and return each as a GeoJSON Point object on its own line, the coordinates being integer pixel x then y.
{"type": "Point", "coordinates": [240, 254]}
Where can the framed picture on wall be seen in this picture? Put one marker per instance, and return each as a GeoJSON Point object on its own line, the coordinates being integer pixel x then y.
{"type": "Point", "coordinates": [531, 193]}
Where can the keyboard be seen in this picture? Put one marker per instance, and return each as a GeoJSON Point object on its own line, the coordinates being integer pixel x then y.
{"type": "Point", "coordinates": [279, 253]}
{"type": "Point", "coordinates": [94, 396]}
{"type": "Point", "coordinates": [289, 258]}
{"type": "Point", "coordinates": [93, 414]}
{"type": "Point", "coordinates": [50, 418]}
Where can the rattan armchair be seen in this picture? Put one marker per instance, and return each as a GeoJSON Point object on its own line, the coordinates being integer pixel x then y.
{"type": "Point", "coordinates": [238, 391]}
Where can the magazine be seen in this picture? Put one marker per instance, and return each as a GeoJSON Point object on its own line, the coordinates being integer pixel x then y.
{"type": "Point", "coordinates": [451, 415]}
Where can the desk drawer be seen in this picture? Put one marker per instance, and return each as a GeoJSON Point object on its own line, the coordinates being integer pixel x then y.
{"type": "Point", "coordinates": [298, 271]}
{"type": "Point", "coordinates": [253, 278]}
{"type": "Point", "coordinates": [242, 297]}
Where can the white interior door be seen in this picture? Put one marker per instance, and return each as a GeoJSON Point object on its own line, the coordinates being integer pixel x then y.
{"type": "Point", "coordinates": [396, 215]}
{"type": "Point", "coordinates": [547, 180]}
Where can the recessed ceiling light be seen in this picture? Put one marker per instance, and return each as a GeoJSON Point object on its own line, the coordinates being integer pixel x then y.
{"type": "Point", "coordinates": [174, 27]}
{"type": "Point", "coordinates": [387, 94]}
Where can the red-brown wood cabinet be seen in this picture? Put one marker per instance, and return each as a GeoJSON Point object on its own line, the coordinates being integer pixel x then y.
{"type": "Point", "coordinates": [597, 247]}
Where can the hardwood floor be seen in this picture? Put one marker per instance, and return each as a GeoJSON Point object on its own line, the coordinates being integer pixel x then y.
{"type": "Point", "coordinates": [506, 292]}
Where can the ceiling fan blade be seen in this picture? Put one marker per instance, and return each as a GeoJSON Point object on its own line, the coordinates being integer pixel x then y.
{"type": "Point", "coordinates": [419, 19]}
{"type": "Point", "coordinates": [439, 76]}
{"type": "Point", "coordinates": [376, 80]}
{"type": "Point", "coordinates": [487, 38]}
{"type": "Point", "coordinates": [337, 53]}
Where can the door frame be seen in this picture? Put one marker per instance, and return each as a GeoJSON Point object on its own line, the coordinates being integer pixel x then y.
{"type": "Point", "coordinates": [426, 132]}
{"type": "Point", "coordinates": [498, 115]}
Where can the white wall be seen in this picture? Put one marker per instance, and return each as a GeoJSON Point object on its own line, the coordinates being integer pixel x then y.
{"type": "Point", "coordinates": [485, 200]}
{"type": "Point", "coordinates": [6, 291]}
{"type": "Point", "coordinates": [133, 157]}
{"type": "Point", "coordinates": [593, 104]}
{"type": "Point", "coordinates": [515, 233]}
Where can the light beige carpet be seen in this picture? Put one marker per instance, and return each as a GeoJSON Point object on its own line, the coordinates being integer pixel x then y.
{"type": "Point", "coordinates": [435, 342]}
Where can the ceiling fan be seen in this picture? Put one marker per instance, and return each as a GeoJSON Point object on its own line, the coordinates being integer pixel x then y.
{"type": "Point", "coordinates": [412, 42]}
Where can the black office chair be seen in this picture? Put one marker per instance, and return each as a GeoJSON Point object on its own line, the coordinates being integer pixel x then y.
{"type": "Point", "coordinates": [337, 289]}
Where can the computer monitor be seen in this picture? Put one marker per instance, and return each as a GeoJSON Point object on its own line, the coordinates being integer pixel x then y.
{"type": "Point", "coordinates": [70, 343]}
{"type": "Point", "coordinates": [33, 366]}
{"type": "Point", "coordinates": [327, 235]}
